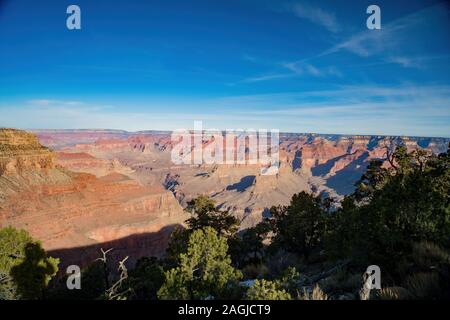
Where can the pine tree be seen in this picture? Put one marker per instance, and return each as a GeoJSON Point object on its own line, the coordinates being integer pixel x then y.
{"type": "Point", "coordinates": [204, 271]}
{"type": "Point", "coordinates": [25, 268]}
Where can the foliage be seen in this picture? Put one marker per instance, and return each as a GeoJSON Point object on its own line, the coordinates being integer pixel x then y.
{"type": "Point", "coordinates": [248, 248]}
{"type": "Point", "coordinates": [290, 280]}
{"type": "Point", "coordinates": [25, 267]}
{"type": "Point", "coordinates": [316, 294]}
{"type": "Point", "coordinates": [267, 290]}
{"type": "Point", "coordinates": [425, 274]}
{"type": "Point", "coordinates": [206, 214]}
{"type": "Point", "coordinates": [342, 281]}
{"type": "Point", "coordinates": [393, 208]}
{"type": "Point", "coordinates": [424, 285]}
{"type": "Point", "coordinates": [300, 226]}
{"type": "Point", "coordinates": [255, 271]}
{"type": "Point", "coordinates": [391, 293]}
{"type": "Point", "coordinates": [204, 271]}
{"type": "Point", "coordinates": [94, 283]}
{"type": "Point", "coordinates": [281, 260]}
{"type": "Point", "coordinates": [426, 254]}
{"type": "Point", "coordinates": [177, 245]}
{"type": "Point", "coordinates": [398, 218]}
{"type": "Point", "coordinates": [145, 279]}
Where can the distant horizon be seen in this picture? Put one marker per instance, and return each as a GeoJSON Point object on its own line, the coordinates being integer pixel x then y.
{"type": "Point", "coordinates": [281, 132]}
{"type": "Point", "coordinates": [292, 65]}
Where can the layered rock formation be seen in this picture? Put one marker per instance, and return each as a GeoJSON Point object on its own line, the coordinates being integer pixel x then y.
{"type": "Point", "coordinates": [322, 164]}
{"type": "Point", "coordinates": [60, 138]}
{"type": "Point", "coordinates": [84, 162]}
{"type": "Point", "coordinates": [103, 189]}
{"type": "Point", "coordinates": [20, 151]}
{"type": "Point", "coordinates": [74, 214]}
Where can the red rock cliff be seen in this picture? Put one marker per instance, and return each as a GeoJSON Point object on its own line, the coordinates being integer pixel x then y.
{"type": "Point", "coordinates": [77, 213]}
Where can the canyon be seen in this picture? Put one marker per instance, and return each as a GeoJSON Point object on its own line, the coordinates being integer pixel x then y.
{"type": "Point", "coordinates": [75, 214]}
{"type": "Point", "coordinates": [82, 190]}
{"type": "Point", "coordinates": [327, 165]}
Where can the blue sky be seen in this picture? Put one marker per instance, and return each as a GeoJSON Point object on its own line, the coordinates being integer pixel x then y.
{"type": "Point", "coordinates": [297, 66]}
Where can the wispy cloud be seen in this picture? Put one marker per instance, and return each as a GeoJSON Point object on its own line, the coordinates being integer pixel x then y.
{"type": "Point", "coordinates": [294, 69]}
{"type": "Point", "coordinates": [405, 62]}
{"type": "Point", "coordinates": [368, 109]}
{"type": "Point", "coordinates": [267, 77]}
{"type": "Point", "coordinates": [48, 102]}
{"type": "Point", "coordinates": [67, 105]}
{"type": "Point", "coordinates": [358, 109]}
{"type": "Point", "coordinates": [316, 15]}
{"type": "Point", "coordinates": [303, 68]}
{"type": "Point", "coordinates": [392, 44]}
{"type": "Point", "coordinates": [414, 62]}
{"type": "Point", "coordinates": [392, 37]}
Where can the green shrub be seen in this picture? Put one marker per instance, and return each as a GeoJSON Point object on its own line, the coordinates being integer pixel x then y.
{"type": "Point", "coordinates": [267, 290]}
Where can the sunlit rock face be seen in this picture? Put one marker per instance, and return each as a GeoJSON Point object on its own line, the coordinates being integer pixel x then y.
{"type": "Point", "coordinates": [21, 151]}
{"type": "Point", "coordinates": [76, 213]}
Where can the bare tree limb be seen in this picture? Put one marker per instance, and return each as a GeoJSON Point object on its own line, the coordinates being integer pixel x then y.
{"type": "Point", "coordinates": [390, 150]}
{"type": "Point", "coordinates": [104, 253]}
{"type": "Point", "coordinates": [114, 292]}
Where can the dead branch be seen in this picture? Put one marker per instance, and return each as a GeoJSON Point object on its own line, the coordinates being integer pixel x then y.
{"type": "Point", "coordinates": [104, 253]}
{"type": "Point", "coordinates": [113, 292]}
{"type": "Point", "coordinates": [390, 150]}
{"type": "Point", "coordinates": [103, 259]}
